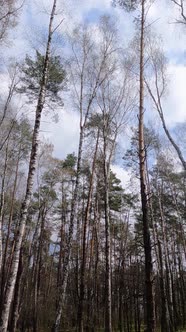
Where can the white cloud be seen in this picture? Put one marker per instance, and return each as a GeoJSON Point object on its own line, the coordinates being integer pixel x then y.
{"type": "Point", "coordinates": [122, 174]}
{"type": "Point", "coordinates": [64, 134]}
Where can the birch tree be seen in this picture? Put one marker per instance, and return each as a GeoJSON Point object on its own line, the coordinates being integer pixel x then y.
{"type": "Point", "coordinates": [30, 179]}
{"type": "Point", "coordinates": [116, 102]}
{"type": "Point", "coordinates": [91, 64]}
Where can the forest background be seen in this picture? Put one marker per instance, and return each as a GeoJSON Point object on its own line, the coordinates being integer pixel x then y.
{"type": "Point", "coordinates": [92, 166]}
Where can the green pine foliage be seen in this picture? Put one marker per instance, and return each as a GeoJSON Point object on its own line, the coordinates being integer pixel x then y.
{"type": "Point", "coordinates": [32, 71]}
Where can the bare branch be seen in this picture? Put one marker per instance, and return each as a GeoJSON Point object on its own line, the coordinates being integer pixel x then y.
{"type": "Point", "coordinates": [180, 5]}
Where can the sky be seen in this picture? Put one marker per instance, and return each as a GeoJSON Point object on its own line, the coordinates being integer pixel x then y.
{"type": "Point", "coordinates": [31, 32]}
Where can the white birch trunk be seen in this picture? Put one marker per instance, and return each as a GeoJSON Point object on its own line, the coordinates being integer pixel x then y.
{"type": "Point", "coordinates": [30, 180]}
{"type": "Point", "coordinates": [2, 208]}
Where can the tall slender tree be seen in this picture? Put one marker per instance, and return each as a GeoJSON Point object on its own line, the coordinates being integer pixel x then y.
{"type": "Point", "coordinates": [149, 279]}
{"type": "Point", "coordinates": [30, 180]}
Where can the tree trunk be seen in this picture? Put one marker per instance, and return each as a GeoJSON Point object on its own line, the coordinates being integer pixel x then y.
{"type": "Point", "coordinates": [30, 180]}
{"type": "Point", "coordinates": [62, 237]}
{"type": "Point", "coordinates": [37, 274]}
{"type": "Point", "coordinates": [108, 293]}
{"type": "Point", "coordinates": [4, 275]}
{"type": "Point", "coordinates": [2, 209]}
{"type": "Point", "coordinates": [167, 281]}
{"type": "Point", "coordinates": [16, 301]}
{"type": "Point", "coordinates": [83, 265]}
{"type": "Point", "coordinates": [67, 250]}
{"type": "Point", "coordinates": [161, 114]}
{"type": "Point", "coordinates": [149, 295]}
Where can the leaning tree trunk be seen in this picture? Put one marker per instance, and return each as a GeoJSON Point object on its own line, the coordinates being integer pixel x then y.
{"type": "Point", "coordinates": [176, 147]}
{"type": "Point", "coordinates": [30, 180]}
{"type": "Point", "coordinates": [150, 307]}
{"type": "Point", "coordinates": [167, 132]}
